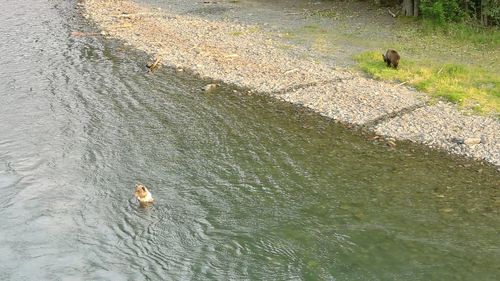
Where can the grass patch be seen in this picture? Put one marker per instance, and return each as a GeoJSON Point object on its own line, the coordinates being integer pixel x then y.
{"type": "Point", "coordinates": [469, 86]}
{"type": "Point", "coordinates": [249, 30]}
{"type": "Point", "coordinates": [236, 33]}
{"type": "Point", "coordinates": [457, 62]}
{"type": "Point", "coordinates": [464, 33]}
{"type": "Point", "coordinates": [325, 13]}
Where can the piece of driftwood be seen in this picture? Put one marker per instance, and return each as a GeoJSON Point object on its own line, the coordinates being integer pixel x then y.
{"type": "Point", "coordinates": [155, 65]}
{"type": "Point", "coordinates": [134, 15]}
{"type": "Point", "coordinates": [81, 34]}
{"type": "Point", "coordinates": [211, 87]}
{"type": "Point", "coordinates": [393, 14]}
{"type": "Point", "coordinates": [231, 56]}
{"type": "Point", "coordinates": [291, 71]}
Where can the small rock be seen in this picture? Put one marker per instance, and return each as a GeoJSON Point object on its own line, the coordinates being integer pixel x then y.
{"type": "Point", "coordinates": [468, 141]}
{"type": "Point", "coordinates": [391, 144]}
{"type": "Point", "coordinates": [211, 87]}
{"type": "Point", "coordinates": [471, 141]}
{"type": "Point", "coordinates": [374, 138]}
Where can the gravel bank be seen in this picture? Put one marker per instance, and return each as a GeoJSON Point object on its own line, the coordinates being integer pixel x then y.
{"type": "Point", "coordinates": [246, 57]}
{"type": "Point", "coordinates": [442, 126]}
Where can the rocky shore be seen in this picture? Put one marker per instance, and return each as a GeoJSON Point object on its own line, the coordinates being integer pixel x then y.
{"type": "Point", "coordinates": [244, 56]}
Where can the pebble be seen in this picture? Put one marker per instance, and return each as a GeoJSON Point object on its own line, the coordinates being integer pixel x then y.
{"type": "Point", "coordinates": [391, 143]}
{"type": "Point", "coordinates": [471, 141]}
{"type": "Point", "coordinates": [210, 87]}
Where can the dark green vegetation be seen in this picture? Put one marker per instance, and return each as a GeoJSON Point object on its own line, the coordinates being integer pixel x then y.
{"type": "Point", "coordinates": [485, 12]}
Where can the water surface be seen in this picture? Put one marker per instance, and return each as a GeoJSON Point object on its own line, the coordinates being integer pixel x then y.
{"type": "Point", "coordinates": [246, 188]}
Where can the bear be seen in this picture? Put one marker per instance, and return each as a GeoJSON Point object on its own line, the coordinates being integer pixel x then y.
{"type": "Point", "coordinates": [142, 194]}
{"type": "Point", "coordinates": [391, 57]}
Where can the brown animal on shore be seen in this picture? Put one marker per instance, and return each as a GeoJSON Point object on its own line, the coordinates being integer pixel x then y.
{"type": "Point", "coordinates": [142, 194]}
{"type": "Point", "coordinates": [391, 57]}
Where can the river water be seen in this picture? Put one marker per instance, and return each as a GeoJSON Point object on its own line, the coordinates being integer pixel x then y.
{"type": "Point", "coordinates": [246, 188]}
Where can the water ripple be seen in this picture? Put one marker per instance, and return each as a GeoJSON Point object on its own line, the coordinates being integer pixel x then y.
{"type": "Point", "coordinates": [242, 189]}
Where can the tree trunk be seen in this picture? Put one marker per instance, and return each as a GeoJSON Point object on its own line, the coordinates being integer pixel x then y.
{"type": "Point", "coordinates": [416, 3]}
{"type": "Point", "coordinates": [408, 8]}
{"type": "Point", "coordinates": [484, 17]}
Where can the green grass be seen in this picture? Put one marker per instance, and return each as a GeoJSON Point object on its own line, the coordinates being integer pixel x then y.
{"type": "Point", "coordinates": [458, 62]}
{"type": "Point", "coordinates": [250, 30]}
{"type": "Point", "coordinates": [469, 86]}
{"type": "Point", "coordinates": [455, 62]}
{"type": "Point", "coordinates": [469, 33]}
